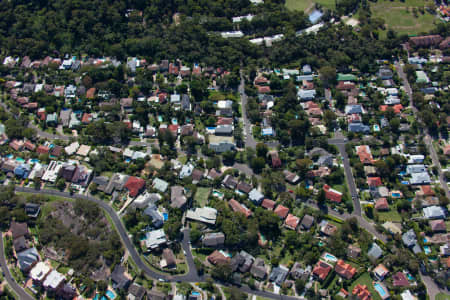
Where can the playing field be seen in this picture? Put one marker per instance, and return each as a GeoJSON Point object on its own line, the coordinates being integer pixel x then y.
{"type": "Point", "coordinates": [398, 15]}
{"type": "Point", "coordinates": [401, 20]}
{"type": "Point", "coordinates": [308, 5]}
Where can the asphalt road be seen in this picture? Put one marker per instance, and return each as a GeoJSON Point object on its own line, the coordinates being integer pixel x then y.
{"type": "Point", "coordinates": [340, 141]}
{"type": "Point", "coordinates": [248, 136]}
{"type": "Point", "coordinates": [191, 276]}
{"type": "Point", "coordinates": [428, 140]}
{"type": "Point", "coordinates": [7, 275]}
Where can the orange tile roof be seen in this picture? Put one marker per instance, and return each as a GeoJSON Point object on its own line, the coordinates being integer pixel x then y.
{"type": "Point", "coordinates": [344, 270]}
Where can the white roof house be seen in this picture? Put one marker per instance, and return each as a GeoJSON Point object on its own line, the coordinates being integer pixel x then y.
{"type": "Point", "coordinates": [39, 271]}
{"type": "Point", "coordinates": [186, 170]}
{"type": "Point", "coordinates": [406, 295]}
{"type": "Point", "coordinates": [232, 34]}
{"type": "Point", "coordinates": [53, 280]}
{"type": "Point", "coordinates": [240, 18]}
{"type": "Point", "coordinates": [155, 238]}
{"type": "Point", "coordinates": [420, 178]}
{"type": "Point", "coordinates": [160, 185]}
{"type": "Point", "coordinates": [411, 169]}
{"type": "Point", "coordinates": [256, 196]}
{"type": "Point", "coordinates": [434, 212]}
{"type": "Point", "coordinates": [206, 215]}
{"type": "Point", "coordinates": [52, 171]}
{"type": "Point", "coordinates": [224, 104]}
{"type": "Point", "coordinates": [72, 148]}
{"type": "Point", "coordinates": [144, 199]}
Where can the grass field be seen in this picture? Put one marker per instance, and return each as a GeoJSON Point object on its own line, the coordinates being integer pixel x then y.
{"type": "Point", "coordinates": [365, 279]}
{"type": "Point", "coordinates": [442, 296]}
{"type": "Point", "coordinates": [201, 196]}
{"type": "Point", "coordinates": [401, 20]}
{"type": "Point", "coordinates": [390, 215]}
{"type": "Point", "coordinates": [307, 5]}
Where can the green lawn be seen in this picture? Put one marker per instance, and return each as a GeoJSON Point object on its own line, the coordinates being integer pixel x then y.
{"type": "Point", "coordinates": [442, 296]}
{"type": "Point", "coordinates": [303, 5]}
{"type": "Point", "coordinates": [399, 19]}
{"type": "Point", "coordinates": [390, 215]}
{"type": "Point", "coordinates": [365, 279]}
{"type": "Point", "coordinates": [201, 196]}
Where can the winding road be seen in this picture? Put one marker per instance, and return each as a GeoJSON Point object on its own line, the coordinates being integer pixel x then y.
{"type": "Point", "coordinates": [191, 276]}
{"type": "Point", "coordinates": [23, 295]}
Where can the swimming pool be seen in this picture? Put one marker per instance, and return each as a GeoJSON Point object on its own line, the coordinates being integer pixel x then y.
{"type": "Point", "coordinates": [96, 297]}
{"type": "Point", "coordinates": [217, 194]}
{"type": "Point", "coordinates": [376, 128]}
{"type": "Point", "coordinates": [396, 195]}
{"type": "Point", "coordinates": [165, 216]}
{"type": "Point", "coordinates": [174, 121]}
{"type": "Point", "coordinates": [427, 249]}
{"type": "Point", "coordinates": [425, 240]}
{"type": "Point", "coordinates": [380, 289]}
{"type": "Point", "coordinates": [34, 160]}
{"type": "Point", "coordinates": [195, 294]}
{"type": "Point", "coordinates": [160, 118]}
{"type": "Point", "coordinates": [328, 257]}
{"type": "Point", "coordinates": [20, 159]}
{"type": "Point", "coordinates": [110, 294]}
{"type": "Point", "coordinates": [410, 278]}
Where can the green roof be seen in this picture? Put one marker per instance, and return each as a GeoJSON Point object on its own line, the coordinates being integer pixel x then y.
{"type": "Point", "coordinates": [346, 77]}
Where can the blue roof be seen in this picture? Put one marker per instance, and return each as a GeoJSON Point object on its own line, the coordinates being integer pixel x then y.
{"type": "Point", "coordinates": [315, 16]}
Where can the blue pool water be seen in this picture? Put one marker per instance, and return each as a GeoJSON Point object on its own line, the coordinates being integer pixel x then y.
{"type": "Point", "coordinates": [405, 182]}
{"type": "Point", "coordinates": [165, 216]}
{"type": "Point", "coordinates": [9, 156]}
{"type": "Point", "coordinates": [427, 249]}
{"type": "Point", "coordinates": [396, 195]}
{"type": "Point", "coordinates": [20, 159]}
{"type": "Point", "coordinates": [425, 240]}
{"type": "Point", "coordinates": [376, 127]}
{"type": "Point", "coordinates": [410, 278]}
{"type": "Point", "coordinates": [174, 121]}
{"type": "Point", "coordinates": [110, 294]}
{"type": "Point", "coordinates": [330, 257]}
{"type": "Point", "coordinates": [34, 160]}
{"type": "Point", "coordinates": [380, 289]}
{"type": "Point", "coordinates": [195, 294]}
{"type": "Point", "coordinates": [96, 297]}
{"type": "Point", "coordinates": [160, 119]}
{"type": "Point", "coordinates": [103, 298]}
{"type": "Point", "coordinates": [211, 128]}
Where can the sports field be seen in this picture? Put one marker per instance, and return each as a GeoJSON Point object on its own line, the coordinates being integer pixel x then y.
{"type": "Point", "coordinates": [399, 15]}
{"type": "Point", "coordinates": [308, 5]}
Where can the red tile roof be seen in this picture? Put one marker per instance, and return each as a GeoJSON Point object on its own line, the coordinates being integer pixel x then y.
{"type": "Point", "coordinates": [41, 149]}
{"type": "Point", "coordinates": [321, 270]}
{"type": "Point", "coordinates": [332, 194]}
{"type": "Point", "coordinates": [29, 146]}
{"type": "Point", "coordinates": [374, 181]}
{"type": "Point", "coordinates": [364, 154]}
{"type": "Point", "coordinates": [90, 93]}
{"type": "Point", "coordinates": [218, 258]}
{"type": "Point", "coordinates": [237, 207]}
{"type": "Point", "coordinates": [263, 89]}
{"type": "Point", "coordinates": [427, 190]}
{"type": "Point", "coordinates": [381, 204]}
{"type": "Point", "coordinates": [291, 222]}
{"type": "Point", "coordinates": [134, 185]}
{"type": "Point", "coordinates": [399, 279]}
{"type": "Point", "coordinates": [268, 204]}
{"type": "Point", "coordinates": [87, 118]}
{"type": "Point", "coordinates": [281, 211]}
{"type": "Point", "coordinates": [438, 225]}
{"type": "Point", "coordinates": [345, 270]}
{"type": "Point", "coordinates": [361, 292]}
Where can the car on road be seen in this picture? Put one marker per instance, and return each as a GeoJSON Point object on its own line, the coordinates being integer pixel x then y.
{"type": "Point", "coordinates": [162, 280]}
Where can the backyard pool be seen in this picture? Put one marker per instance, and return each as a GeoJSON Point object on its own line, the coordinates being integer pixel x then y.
{"type": "Point", "coordinates": [34, 160]}
{"type": "Point", "coordinates": [110, 294]}
{"type": "Point", "coordinates": [410, 278]}
{"type": "Point", "coordinates": [96, 297]}
{"type": "Point", "coordinates": [396, 194]}
{"type": "Point", "coordinates": [427, 249]}
{"type": "Point", "coordinates": [20, 159]}
{"type": "Point", "coordinates": [160, 118]}
{"type": "Point", "coordinates": [195, 294]}
{"type": "Point", "coordinates": [376, 128]}
{"type": "Point", "coordinates": [328, 257]}
{"type": "Point", "coordinates": [425, 240]}
{"type": "Point", "coordinates": [217, 194]}
{"type": "Point", "coordinates": [174, 121]}
{"type": "Point", "coordinates": [165, 216]}
{"type": "Point", "coordinates": [380, 289]}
